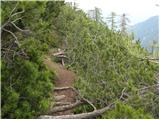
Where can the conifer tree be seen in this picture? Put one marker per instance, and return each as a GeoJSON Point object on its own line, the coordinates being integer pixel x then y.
{"type": "Point", "coordinates": [111, 20]}
{"type": "Point", "coordinates": [98, 15]}
{"type": "Point", "coordinates": [123, 23]}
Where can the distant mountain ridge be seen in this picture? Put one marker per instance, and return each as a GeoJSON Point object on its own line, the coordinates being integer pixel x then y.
{"type": "Point", "coordinates": [146, 31]}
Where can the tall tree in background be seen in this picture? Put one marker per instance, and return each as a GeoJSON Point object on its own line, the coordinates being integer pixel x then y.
{"type": "Point", "coordinates": [154, 48]}
{"type": "Point", "coordinates": [75, 5]}
{"type": "Point", "coordinates": [98, 15]}
{"type": "Point", "coordinates": [123, 23]}
{"type": "Point", "coordinates": [111, 20]}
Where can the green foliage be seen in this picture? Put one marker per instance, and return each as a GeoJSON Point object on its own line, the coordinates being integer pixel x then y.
{"type": "Point", "coordinates": [53, 8]}
{"type": "Point", "coordinates": [26, 89]}
{"type": "Point", "coordinates": [105, 62]}
{"type": "Point", "coordinates": [26, 83]}
{"type": "Point", "coordinates": [124, 111]}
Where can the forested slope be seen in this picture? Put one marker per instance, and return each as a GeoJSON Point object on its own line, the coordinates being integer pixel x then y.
{"type": "Point", "coordinates": [109, 67]}
{"type": "Point", "coordinates": [146, 31]}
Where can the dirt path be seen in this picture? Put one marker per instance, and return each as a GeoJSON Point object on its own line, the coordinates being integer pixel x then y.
{"type": "Point", "coordinates": [65, 78]}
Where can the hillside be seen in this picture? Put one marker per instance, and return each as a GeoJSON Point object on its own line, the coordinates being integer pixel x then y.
{"type": "Point", "coordinates": [62, 64]}
{"type": "Point", "coordinates": [146, 31]}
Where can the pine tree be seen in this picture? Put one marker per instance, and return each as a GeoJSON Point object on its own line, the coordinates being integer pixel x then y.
{"type": "Point", "coordinates": [98, 14]}
{"type": "Point", "coordinates": [123, 24]}
{"type": "Point", "coordinates": [111, 20]}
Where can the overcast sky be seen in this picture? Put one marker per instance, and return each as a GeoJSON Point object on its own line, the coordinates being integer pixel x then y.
{"type": "Point", "coordinates": [137, 10]}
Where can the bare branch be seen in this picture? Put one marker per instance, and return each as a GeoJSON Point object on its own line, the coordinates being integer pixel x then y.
{"type": "Point", "coordinates": [144, 90]}
{"type": "Point", "coordinates": [14, 9]}
{"type": "Point", "coordinates": [152, 86]}
{"type": "Point", "coordinates": [11, 15]}
{"type": "Point", "coordinates": [16, 40]}
{"type": "Point", "coordinates": [89, 102]}
{"type": "Point", "coordinates": [149, 58]}
{"type": "Point", "coordinates": [60, 52]}
{"type": "Point", "coordinates": [122, 93]}
{"type": "Point", "coordinates": [6, 49]}
{"type": "Point", "coordinates": [6, 23]}
{"type": "Point", "coordinates": [17, 19]}
{"type": "Point", "coordinates": [80, 116]}
{"type": "Point", "coordinates": [61, 56]}
{"type": "Point", "coordinates": [153, 60]}
{"type": "Point", "coordinates": [19, 28]}
{"type": "Point", "coordinates": [17, 13]}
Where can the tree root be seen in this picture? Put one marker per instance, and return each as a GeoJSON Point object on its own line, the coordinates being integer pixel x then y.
{"type": "Point", "coordinates": [64, 107]}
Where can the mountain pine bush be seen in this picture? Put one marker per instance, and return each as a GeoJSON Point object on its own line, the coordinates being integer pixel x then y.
{"type": "Point", "coordinates": [107, 63]}
{"type": "Point", "coordinates": [26, 82]}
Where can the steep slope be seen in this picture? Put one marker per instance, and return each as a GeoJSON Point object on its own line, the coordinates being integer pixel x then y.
{"type": "Point", "coordinates": [109, 67]}
{"type": "Point", "coordinates": [107, 64]}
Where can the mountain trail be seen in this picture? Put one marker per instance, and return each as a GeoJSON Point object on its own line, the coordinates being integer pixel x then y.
{"type": "Point", "coordinates": [64, 78]}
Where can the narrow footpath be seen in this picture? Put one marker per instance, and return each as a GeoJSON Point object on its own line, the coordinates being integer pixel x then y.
{"type": "Point", "coordinates": [64, 78]}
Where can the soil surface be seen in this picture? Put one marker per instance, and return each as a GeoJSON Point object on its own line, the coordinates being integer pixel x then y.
{"type": "Point", "coordinates": [64, 78]}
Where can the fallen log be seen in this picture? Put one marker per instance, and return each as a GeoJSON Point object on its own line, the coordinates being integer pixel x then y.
{"type": "Point", "coordinates": [80, 116]}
